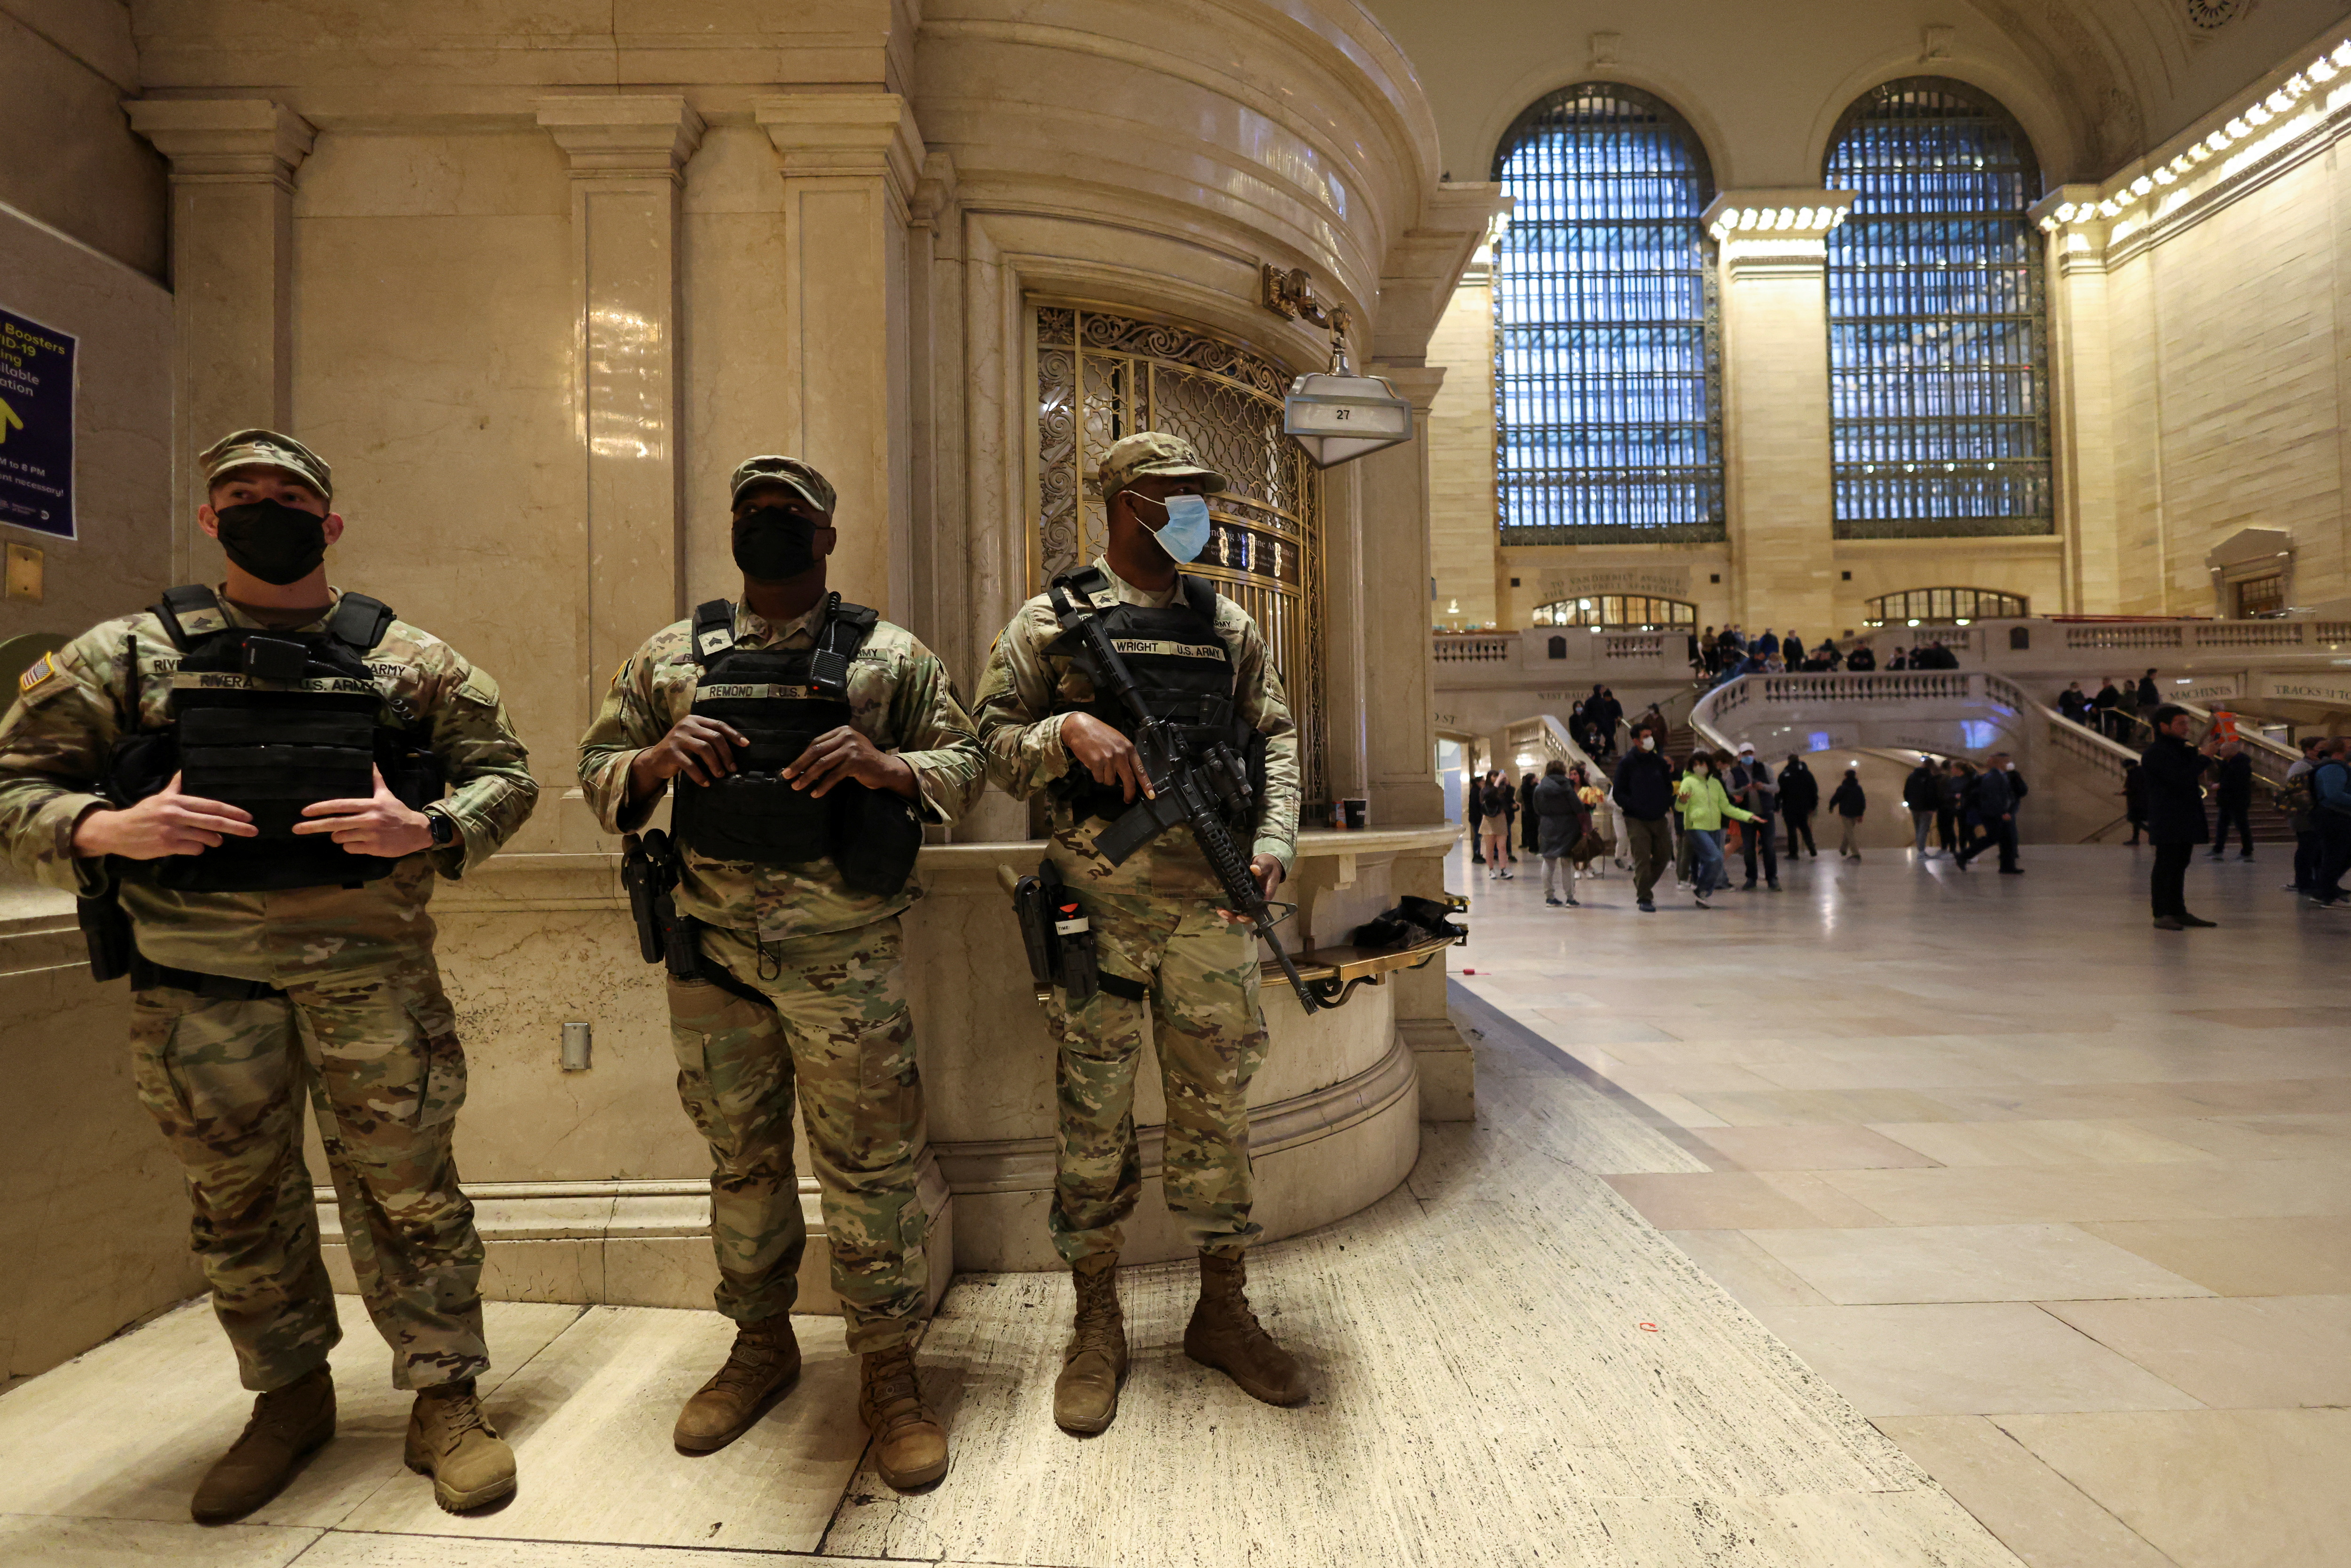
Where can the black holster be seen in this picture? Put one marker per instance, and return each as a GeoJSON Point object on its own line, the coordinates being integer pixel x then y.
{"type": "Point", "coordinates": [107, 930]}
{"type": "Point", "coordinates": [1058, 936]}
{"type": "Point", "coordinates": [649, 869]}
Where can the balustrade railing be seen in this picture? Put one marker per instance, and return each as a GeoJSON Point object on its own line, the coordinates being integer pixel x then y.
{"type": "Point", "coordinates": [1457, 648]}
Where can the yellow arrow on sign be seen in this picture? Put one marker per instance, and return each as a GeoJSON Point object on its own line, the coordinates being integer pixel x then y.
{"type": "Point", "coordinates": [8, 418]}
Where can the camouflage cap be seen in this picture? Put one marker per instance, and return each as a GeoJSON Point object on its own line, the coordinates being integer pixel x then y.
{"type": "Point", "coordinates": [789, 472]}
{"type": "Point", "coordinates": [1155, 453]}
{"type": "Point", "coordinates": [266, 448]}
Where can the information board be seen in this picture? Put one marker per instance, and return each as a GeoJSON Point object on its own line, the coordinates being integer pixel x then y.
{"type": "Point", "coordinates": [37, 426]}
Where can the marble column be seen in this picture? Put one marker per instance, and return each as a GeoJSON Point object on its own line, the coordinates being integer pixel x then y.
{"type": "Point", "coordinates": [1775, 390]}
{"type": "Point", "coordinates": [2081, 411]}
{"type": "Point", "coordinates": [628, 157]}
{"type": "Point", "coordinates": [1399, 739]}
{"type": "Point", "coordinates": [851, 164]}
{"type": "Point", "coordinates": [233, 163]}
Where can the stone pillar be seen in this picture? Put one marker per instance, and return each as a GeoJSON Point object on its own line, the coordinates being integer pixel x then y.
{"type": "Point", "coordinates": [2081, 411]}
{"type": "Point", "coordinates": [1399, 737]}
{"type": "Point", "coordinates": [232, 162]}
{"type": "Point", "coordinates": [850, 165]}
{"type": "Point", "coordinates": [1775, 389]}
{"type": "Point", "coordinates": [628, 157]}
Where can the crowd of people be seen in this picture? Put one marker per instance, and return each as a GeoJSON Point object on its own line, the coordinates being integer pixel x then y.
{"type": "Point", "coordinates": [2113, 711]}
{"type": "Point", "coordinates": [1651, 814]}
{"type": "Point", "coordinates": [1716, 656]}
{"type": "Point", "coordinates": [2166, 797]}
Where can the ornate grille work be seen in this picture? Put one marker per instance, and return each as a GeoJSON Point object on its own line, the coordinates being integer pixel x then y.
{"type": "Point", "coordinates": [1101, 377]}
{"type": "Point", "coordinates": [1946, 605]}
{"type": "Point", "coordinates": [1938, 361]}
{"type": "Point", "coordinates": [1607, 339]}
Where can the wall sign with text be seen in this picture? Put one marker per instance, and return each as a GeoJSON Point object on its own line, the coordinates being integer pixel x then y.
{"type": "Point", "coordinates": [37, 426]}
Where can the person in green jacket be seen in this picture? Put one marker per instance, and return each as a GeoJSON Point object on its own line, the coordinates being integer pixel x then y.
{"type": "Point", "coordinates": [1704, 804]}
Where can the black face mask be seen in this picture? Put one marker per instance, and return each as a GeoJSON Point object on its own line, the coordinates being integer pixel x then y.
{"type": "Point", "coordinates": [772, 543]}
{"type": "Point", "coordinates": [276, 542]}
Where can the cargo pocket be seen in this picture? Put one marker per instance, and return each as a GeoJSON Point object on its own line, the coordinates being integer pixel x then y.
{"type": "Point", "coordinates": [441, 1086]}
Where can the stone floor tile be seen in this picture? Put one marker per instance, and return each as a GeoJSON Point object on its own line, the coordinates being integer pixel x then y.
{"type": "Point", "coordinates": [1964, 1359]}
{"type": "Point", "coordinates": [2201, 1189]}
{"type": "Point", "coordinates": [1727, 1200]}
{"type": "Point", "coordinates": [2210, 1489]}
{"type": "Point", "coordinates": [1810, 1149]}
{"type": "Point", "coordinates": [346, 1549]}
{"type": "Point", "coordinates": [2281, 1137]}
{"type": "Point", "coordinates": [1813, 1107]}
{"type": "Point", "coordinates": [66, 1448]}
{"type": "Point", "coordinates": [48, 1541]}
{"type": "Point", "coordinates": [1754, 1278]}
{"type": "Point", "coordinates": [2253, 1256]}
{"type": "Point", "coordinates": [2231, 1352]}
{"type": "Point", "coordinates": [1899, 1264]}
{"type": "Point", "coordinates": [1801, 1531]}
{"type": "Point", "coordinates": [2037, 1513]}
{"type": "Point", "coordinates": [2041, 1143]}
{"type": "Point", "coordinates": [591, 1419]}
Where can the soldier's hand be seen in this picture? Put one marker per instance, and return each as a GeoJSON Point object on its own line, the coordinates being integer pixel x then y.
{"type": "Point", "coordinates": [1267, 870]}
{"type": "Point", "coordinates": [843, 753]}
{"type": "Point", "coordinates": [169, 824]}
{"type": "Point", "coordinates": [1106, 754]}
{"type": "Point", "coordinates": [383, 824]}
{"type": "Point", "coordinates": [700, 746]}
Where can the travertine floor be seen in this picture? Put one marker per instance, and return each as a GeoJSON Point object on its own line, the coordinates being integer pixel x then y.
{"type": "Point", "coordinates": [2060, 1202]}
{"type": "Point", "coordinates": [2010, 1201]}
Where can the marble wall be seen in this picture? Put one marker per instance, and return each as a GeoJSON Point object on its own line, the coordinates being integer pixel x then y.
{"type": "Point", "coordinates": [65, 66]}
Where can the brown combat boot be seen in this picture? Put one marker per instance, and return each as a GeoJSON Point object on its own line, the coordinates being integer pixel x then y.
{"type": "Point", "coordinates": [1224, 1334]}
{"type": "Point", "coordinates": [451, 1441]}
{"type": "Point", "coordinates": [287, 1425]}
{"type": "Point", "coordinates": [763, 1364]}
{"type": "Point", "coordinates": [1086, 1396]}
{"type": "Point", "coordinates": [910, 1445]}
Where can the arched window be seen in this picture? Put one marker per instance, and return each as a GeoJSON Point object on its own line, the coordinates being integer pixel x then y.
{"type": "Point", "coordinates": [1938, 360]}
{"type": "Point", "coordinates": [1640, 610]}
{"type": "Point", "coordinates": [1946, 606]}
{"type": "Point", "coordinates": [1607, 355]}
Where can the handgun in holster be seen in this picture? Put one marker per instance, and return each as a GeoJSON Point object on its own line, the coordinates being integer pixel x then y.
{"type": "Point", "coordinates": [649, 869]}
{"type": "Point", "coordinates": [1055, 932]}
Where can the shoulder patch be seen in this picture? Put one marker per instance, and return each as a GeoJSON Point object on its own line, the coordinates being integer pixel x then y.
{"type": "Point", "coordinates": [45, 668]}
{"type": "Point", "coordinates": [478, 687]}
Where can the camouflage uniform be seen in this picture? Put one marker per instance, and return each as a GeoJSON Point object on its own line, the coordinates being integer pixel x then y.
{"type": "Point", "coordinates": [1156, 922]}
{"type": "Point", "coordinates": [825, 958]}
{"type": "Point", "coordinates": [352, 1008]}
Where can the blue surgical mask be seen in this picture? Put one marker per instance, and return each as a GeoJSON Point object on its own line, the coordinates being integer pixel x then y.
{"type": "Point", "coordinates": [1186, 532]}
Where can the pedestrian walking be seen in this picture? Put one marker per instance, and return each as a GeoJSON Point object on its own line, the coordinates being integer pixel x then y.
{"type": "Point", "coordinates": [1923, 793]}
{"type": "Point", "coordinates": [1850, 803]}
{"type": "Point", "coordinates": [2232, 798]}
{"type": "Point", "coordinates": [1644, 792]}
{"type": "Point", "coordinates": [1799, 797]}
{"type": "Point", "coordinates": [1704, 804]}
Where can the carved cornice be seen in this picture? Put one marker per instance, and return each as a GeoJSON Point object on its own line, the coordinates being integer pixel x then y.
{"type": "Point", "coordinates": [224, 141]}
{"type": "Point", "coordinates": [622, 136]}
{"type": "Point", "coordinates": [861, 134]}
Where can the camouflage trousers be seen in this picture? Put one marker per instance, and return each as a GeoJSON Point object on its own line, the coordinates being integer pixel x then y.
{"type": "Point", "coordinates": [1203, 979]}
{"type": "Point", "coordinates": [381, 1062]}
{"type": "Point", "coordinates": [837, 1031]}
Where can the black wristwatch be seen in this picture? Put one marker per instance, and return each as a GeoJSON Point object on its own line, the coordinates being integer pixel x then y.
{"type": "Point", "coordinates": [443, 829]}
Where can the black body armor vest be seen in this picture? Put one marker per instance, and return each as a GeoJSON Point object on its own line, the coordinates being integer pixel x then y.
{"type": "Point", "coordinates": [272, 722]}
{"type": "Point", "coordinates": [1185, 672]}
{"type": "Point", "coordinates": [781, 701]}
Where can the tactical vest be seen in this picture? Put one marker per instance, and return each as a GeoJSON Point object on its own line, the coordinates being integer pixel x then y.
{"type": "Point", "coordinates": [272, 722]}
{"type": "Point", "coordinates": [1184, 667]}
{"type": "Point", "coordinates": [781, 701]}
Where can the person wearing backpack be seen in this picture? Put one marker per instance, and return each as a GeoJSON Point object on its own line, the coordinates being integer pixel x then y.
{"type": "Point", "coordinates": [2331, 791]}
{"type": "Point", "coordinates": [1851, 804]}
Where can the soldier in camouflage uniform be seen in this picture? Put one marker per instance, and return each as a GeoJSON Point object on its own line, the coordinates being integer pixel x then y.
{"type": "Point", "coordinates": [1163, 942]}
{"type": "Point", "coordinates": [800, 971]}
{"type": "Point", "coordinates": [244, 1001]}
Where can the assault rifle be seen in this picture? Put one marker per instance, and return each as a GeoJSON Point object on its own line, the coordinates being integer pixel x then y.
{"type": "Point", "coordinates": [1193, 785]}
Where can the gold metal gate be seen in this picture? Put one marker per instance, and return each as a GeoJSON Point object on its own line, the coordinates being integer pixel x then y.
{"type": "Point", "coordinates": [1102, 376]}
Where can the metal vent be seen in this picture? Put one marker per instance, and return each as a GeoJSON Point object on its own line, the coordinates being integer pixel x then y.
{"type": "Point", "coordinates": [1938, 359]}
{"type": "Point", "coordinates": [1607, 339]}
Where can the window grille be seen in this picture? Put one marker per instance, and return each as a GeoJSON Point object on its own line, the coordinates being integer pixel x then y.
{"type": "Point", "coordinates": [1607, 339]}
{"type": "Point", "coordinates": [1938, 363]}
{"type": "Point", "coordinates": [1103, 375]}
{"type": "Point", "coordinates": [1944, 606]}
{"type": "Point", "coordinates": [1648, 614]}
